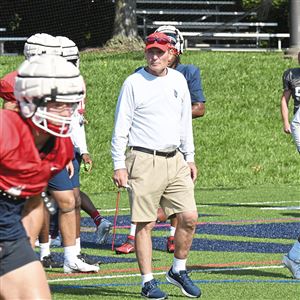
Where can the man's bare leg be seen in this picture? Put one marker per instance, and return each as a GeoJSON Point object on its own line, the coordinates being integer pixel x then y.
{"type": "Point", "coordinates": [143, 245]}
{"type": "Point", "coordinates": [185, 230]}
{"type": "Point", "coordinates": [33, 216]}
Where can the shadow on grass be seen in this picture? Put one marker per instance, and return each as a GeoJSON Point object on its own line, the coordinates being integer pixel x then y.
{"type": "Point", "coordinates": [256, 273]}
{"type": "Point", "coordinates": [291, 214]}
{"type": "Point", "coordinates": [87, 291]}
{"type": "Point", "coordinates": [91, 290]}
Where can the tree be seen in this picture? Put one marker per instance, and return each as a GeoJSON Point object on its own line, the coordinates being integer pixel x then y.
{"type": "Point", "coordinates": [125, 18]}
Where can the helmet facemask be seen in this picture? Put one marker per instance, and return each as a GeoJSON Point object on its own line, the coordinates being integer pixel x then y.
{"type": "Point", "coordinates": [49, 119]}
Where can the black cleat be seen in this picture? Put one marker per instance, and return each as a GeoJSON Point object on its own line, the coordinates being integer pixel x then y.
{"type": "Point", "coordinates": [88, 259]}
{"type": "Point", "coordinates": [49, 262]}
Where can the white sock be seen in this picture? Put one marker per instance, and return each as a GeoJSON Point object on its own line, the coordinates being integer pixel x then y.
{"type": "Point", "coordinates": [146, 277]}
{"type": "Point", "coordinates": [44, 250]}
{"type": "Point", "coordinates": [178, 265]}
{"type": "Point", "coordinates": [78, 247]}
{"type": "Point", "coordinates": [132, 229]}
{"type": "Point", "coordinates": [172, 231]}
{"type": "Point", "coordinates": [294, 253]}
{"type": "Point", "coordinates": [70, 253]}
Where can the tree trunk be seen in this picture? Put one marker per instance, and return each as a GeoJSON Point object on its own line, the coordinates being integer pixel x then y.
{"type": "Point", "coordinates": [125, 18]}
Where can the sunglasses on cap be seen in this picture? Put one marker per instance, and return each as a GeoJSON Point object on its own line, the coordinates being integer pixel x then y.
{"type": "Point", "coordinates": [162, 41]}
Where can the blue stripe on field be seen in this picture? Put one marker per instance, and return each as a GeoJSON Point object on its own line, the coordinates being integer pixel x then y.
{"type": "Point", "coordinates": [123, 220]}
{"type": "Point", "coordinates": [284, 281]}
{"type": "Point", "coordinates": [159, 243]}
{"type": "Point", "coordinates": [270, 230]}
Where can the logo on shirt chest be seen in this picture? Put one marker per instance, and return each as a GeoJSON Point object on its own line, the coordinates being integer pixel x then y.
{"type": "Point", "coordinates": [175, 94]}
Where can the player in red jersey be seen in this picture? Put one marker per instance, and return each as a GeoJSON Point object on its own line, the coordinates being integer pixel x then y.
{"type": "Point", "coordinates": [37, 44]}
{"type": "Point", "coordinates": [33, 148]}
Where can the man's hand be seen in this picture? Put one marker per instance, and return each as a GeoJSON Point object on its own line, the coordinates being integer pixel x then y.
{"type": "Point", "coordinates": [87, 161]}
{"type": "Point", "coordinates": [194, 171]}
{"type": "Point", "coordinates": [120, 177]}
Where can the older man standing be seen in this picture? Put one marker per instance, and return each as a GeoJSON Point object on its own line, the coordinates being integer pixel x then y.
{"type": "Point", "coordinates": [153, 118]}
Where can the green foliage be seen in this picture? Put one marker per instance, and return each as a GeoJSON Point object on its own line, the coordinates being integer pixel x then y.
{"type": "Point", "coordinates": [255, 3]}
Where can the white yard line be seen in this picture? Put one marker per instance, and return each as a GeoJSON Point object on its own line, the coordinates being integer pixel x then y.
{"type": "Point", "coordinates": [281, 208]}
{"type": "Point", "coordinates": [161, 273]}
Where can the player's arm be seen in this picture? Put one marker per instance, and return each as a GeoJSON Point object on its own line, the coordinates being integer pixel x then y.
{"type": "Point", "coordinates": [196, 92]}
{"type": "Point", "coordinates": [285, 111]}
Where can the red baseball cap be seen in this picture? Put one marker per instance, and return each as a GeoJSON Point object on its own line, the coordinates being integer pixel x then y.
{"type": "Point", "coordinates": [158, 40]}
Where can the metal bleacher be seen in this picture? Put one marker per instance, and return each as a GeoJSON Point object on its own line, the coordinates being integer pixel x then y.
{"type": "Point", "coordinates": [4, 40]}
{"type": "Point", "coordinates": [209, 24]}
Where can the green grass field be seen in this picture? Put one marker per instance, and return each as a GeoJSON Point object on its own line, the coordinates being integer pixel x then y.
{"type": "Point", "coordinates": [248, 175]}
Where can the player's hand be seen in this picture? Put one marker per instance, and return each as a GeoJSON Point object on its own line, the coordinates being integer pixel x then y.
{"type": "Point", "coordinates": [287, 129]}
{"type": "Point", "coordinates": [193, 170]}
{"type": "Point", "coordinates": [87, 161]}
{"type": "Point", "coordinates": [120, 178]}
{"type": "Point", "coordinates": [70, 169]}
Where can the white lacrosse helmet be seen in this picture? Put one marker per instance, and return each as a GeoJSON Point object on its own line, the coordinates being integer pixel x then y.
{"type": "Point", "coordinates": [42, 43]}
{"type": "Point", "coordinates": [174, 34]}
{"type": "Point", "coordinates": [69, 50]}
{"type": "Point", "coordinates": [43, 79]}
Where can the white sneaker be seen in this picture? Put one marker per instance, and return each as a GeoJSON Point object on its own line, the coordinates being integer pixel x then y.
{"type": "Point", "coordinates": [103, 231]}
{"type": "Point", "coordinates": [54, 243]}
{"type": "Point", "coordinates": [37, 243]}
{"type": "Point", "coordinates": [292, 265]}
{"type": "Point", "coordinates": [78, 266]}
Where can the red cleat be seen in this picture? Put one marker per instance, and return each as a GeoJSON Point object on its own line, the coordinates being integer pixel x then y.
{"type": "Point", "coordinates": [127, 247]}
{"type": "Point", "coordinates": [171, 244]}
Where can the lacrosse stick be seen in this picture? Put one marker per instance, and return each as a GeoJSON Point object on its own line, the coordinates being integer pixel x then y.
{"type": "Point", "coordinates": [115, 220]}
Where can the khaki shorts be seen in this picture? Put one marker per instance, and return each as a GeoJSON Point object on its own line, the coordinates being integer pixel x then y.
{"type": "Point", "coordinates": [158, 181]}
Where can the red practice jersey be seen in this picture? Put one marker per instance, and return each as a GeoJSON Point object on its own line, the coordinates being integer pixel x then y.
{"type": "Point", "coordinates": [24, 171]}
{"type": "Point", "coordinates": [7, 84]}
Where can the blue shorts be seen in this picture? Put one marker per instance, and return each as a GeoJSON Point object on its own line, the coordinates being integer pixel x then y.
{"type": "Point", "coordinates": [15, 254]}
{"type": "Point", "coordinates": [62, 181]}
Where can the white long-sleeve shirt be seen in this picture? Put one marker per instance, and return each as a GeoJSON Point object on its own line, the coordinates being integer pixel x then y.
{"type": "Point", "coordinates": [78, 136]}
{"type": "Point", "coordinates": [155, 113]}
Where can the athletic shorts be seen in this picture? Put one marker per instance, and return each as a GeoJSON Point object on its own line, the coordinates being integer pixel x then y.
{"type": "Point", "coordinates": [158, 181]}
{"type": "Point", "coordinates": [15, 254]}
{"type": "Point", "coordinates": [62, 181]}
